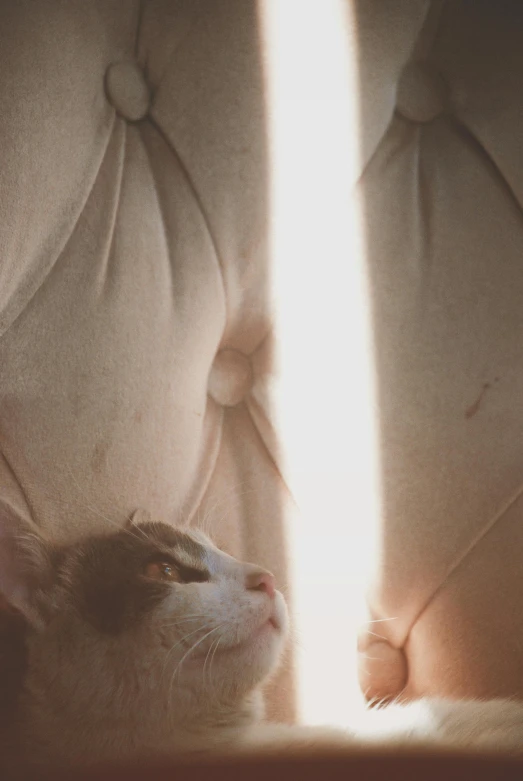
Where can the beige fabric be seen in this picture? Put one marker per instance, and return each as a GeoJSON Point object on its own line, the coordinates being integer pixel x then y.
{"type": "Point", "coordinates": [443, 200]}
{"type": "Point", "coordinates": [138, 302]}
{"type": "Point", "coordinates": [133, 255]}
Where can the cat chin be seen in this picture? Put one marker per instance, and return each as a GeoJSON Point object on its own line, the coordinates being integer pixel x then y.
{"type": "Point", "coordinates": [265, 639]}
{"type": "Point", "coordinates": [261, 648]}
{"type": "Point", "coordinates": [246, 665]}
{"type": "Point", "coordinates": [258, 657]}
{"type": "Point", "coordinates": [251, 660]}
{"type": "Point", "coordinates": [268, 639]}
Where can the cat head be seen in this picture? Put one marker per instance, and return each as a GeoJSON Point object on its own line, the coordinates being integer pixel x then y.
{"type": "Point", "coordinates": [149, 619]}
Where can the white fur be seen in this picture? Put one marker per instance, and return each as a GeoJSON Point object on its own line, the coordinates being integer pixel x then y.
{"type": "Point", "coordinates": [188, 677]}
{"type": "Point", "coordinates": [485, 726]}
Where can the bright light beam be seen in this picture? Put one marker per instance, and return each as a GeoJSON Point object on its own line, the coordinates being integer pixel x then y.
{"type": "Point", "coordinates": [322, 389]}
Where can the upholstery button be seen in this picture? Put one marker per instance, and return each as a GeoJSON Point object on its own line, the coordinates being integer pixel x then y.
{"type": "Point", "coordinates": [382, 670]}
{"type": "Point", "coordinates": [231, 378]}
{"type": "Point", "coordinates": [127, 90]}
{"type": "Point", "coordinates": [421, 94]}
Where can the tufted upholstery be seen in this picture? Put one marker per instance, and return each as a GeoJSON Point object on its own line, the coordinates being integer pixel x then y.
{"type": "Point", "coordinates": [443, 207]}
{"type": "Point", "coordinates": [139, 319]}
{"type": "Point", "coordinates": [133, 272]}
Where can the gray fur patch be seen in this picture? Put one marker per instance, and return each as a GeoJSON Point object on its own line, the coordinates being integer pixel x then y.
{"type": "Point", "coordinates": [103, 577]}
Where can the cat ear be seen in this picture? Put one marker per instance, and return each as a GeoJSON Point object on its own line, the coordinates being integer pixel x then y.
{"type": "Point", "coordinates": [139, 516]}
{"type": "Point", "coordinates": [25, 565]}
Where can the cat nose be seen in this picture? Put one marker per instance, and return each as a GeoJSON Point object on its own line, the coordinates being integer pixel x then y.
{"type": "Point", "coordinates": [261, 580]}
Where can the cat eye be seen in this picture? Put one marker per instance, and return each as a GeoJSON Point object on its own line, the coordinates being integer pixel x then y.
{"type": "Point", "coordinates": [161, 570]}
{"type": "Point", "coordinates": [174, 572]}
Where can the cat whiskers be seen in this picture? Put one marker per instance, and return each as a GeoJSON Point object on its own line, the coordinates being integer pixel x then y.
{"type": "Point", "coordinates": [184, 620]}
{"type": "Point", "coordinates": [179, 642]}
{"type": "Point", "coordinates": [212, 658]}
{"type": "Point", "coordinates": [212, 645]}
{"type": "Point", "coordinates": [191, 649]}
{"type": "Point", "coordinates": [206, 660]}
{"type": "Point", "coordinates": [375, 634]}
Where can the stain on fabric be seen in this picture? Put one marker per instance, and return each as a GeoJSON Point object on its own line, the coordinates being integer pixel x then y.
{"type": "Point", "coordinates": [474, 408]}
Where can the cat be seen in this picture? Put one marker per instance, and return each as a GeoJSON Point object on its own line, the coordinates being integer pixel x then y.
{"type": "Point", "coordinates": [150, 641]}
